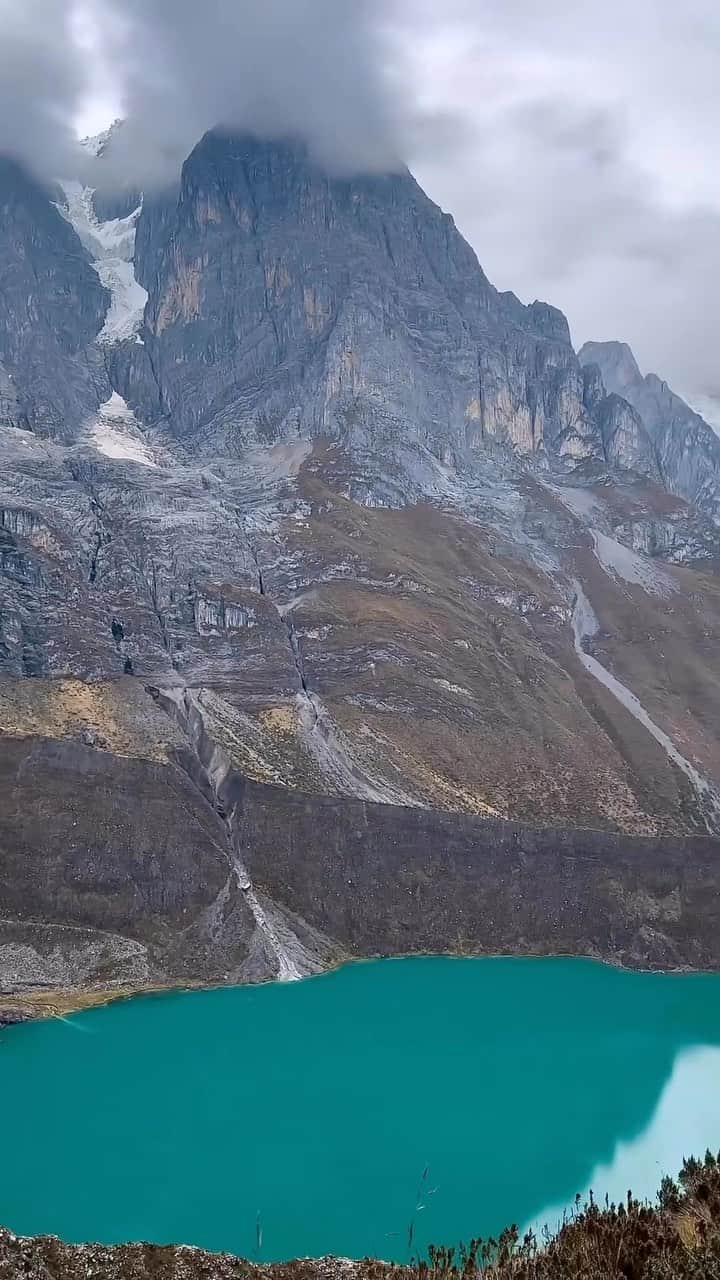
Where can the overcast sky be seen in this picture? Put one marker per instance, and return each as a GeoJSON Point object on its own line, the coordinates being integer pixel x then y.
{"type": "Point", "coordinates": [587, 168]}
{"type": "Point", "coordinates": [575, 142]}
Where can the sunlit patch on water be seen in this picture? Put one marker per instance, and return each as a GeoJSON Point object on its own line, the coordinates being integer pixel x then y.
{"type": "Point", "coordinates": [685, 1122]}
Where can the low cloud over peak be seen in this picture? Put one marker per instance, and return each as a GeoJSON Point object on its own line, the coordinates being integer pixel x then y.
{"type": "Point", "coordinates": [175, 68]}
{"type": "Point", "coordinates": [308, 67]}
{"type": "Point", "coordinates": [575, 145]}
{"type": "Point", "coordinates": [42, 82]}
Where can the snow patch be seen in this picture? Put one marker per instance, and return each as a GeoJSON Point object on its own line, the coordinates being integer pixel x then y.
{"type": "Point", "coordinates": [585, 625]}
{"type": "Point", "coordinates": [452, 688]}
{"type": "Point", "coordinates": [637, 570]}
{"type": "Point", "coordinates": [96, 143]}
{"type": "Point", "coordinates": [116, 433]}
{"type": "Point", "coordinates": [111, 245]}
{"type": "Point", "coordinates": [580, 501]}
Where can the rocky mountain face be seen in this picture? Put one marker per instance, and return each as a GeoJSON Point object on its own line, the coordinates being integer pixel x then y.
{"type": "Point", "coordinates": [686, 448]}
{"type": "Point", "coordinates": [51, 376]}
{"type": "Point", "coordinates": [286, 304]}
{"type": "Point", "coordinates": [298, 511]}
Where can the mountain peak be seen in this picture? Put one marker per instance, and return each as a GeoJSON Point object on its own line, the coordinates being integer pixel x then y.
{"type": "Point", "coordinates": [332, 515]}
{"type": "Point", "coordinates": [616, 361]}
{"type": "Point", "coordinates": [95, 144]}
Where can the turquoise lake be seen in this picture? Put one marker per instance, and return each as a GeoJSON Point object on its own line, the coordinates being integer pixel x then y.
{"type": "Point", "coordinates": [313, 1108]}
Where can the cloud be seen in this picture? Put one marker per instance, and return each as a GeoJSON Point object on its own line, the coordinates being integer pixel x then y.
{"type": "Point", "coordinates": [588, 172]}
{"type": "Point", "coordinates": [42, 79]}
{"type": "Point", "coordinates": [175, 68]}
{"type": "Point", "coordinates": [314, 68]}
{"type": "Point", "coordinates": [576, 145]}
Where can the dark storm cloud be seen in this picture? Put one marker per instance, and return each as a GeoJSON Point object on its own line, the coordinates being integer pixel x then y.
{"type": "Point", "coordinates": [42, 79]}
{"type": "Point", "coordinates": [308, 67]}
{"type": "Point", "coordinates": [312, 68]}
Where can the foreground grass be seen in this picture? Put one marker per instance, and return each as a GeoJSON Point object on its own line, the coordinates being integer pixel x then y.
{"type": "Point", "coordinates": [677, 1238]}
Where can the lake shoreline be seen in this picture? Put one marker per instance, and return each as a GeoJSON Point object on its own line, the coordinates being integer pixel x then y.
{"type": "Point", "coordinates": [59, 1002]}
{"type": "Point", "coordinates": [365, 1092]}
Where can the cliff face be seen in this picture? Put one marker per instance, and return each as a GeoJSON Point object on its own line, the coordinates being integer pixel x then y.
{"type": "Point", "coordinates": [169, 872]}
{"type": "Point", "coordinates": [52, 308]}
{"type": "Point", "coordinates": [687, 449]}
{"type": "Point", "coordinates": [298, 494]}
{"type": "Point", "coordinates": [286, 303]}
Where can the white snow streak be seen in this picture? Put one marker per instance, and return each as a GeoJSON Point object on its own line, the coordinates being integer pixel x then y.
{"type": "Point", "coordinates": [116, 433]}
{"type": "Point", "coordinates": [112, 247]}
{"type": "Point", "coordinates": [620, 562]}
{"type": "Point", "coordinates": [585, 625]}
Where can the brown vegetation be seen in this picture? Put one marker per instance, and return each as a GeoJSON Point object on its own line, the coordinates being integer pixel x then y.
{"type": "Point", "coordinates": [678, 1238]}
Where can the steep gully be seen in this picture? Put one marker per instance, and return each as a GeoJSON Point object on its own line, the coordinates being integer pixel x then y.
{"type": "Point", "coordinates": [209, 770]}
{"type": "Point", "coordinates": [585, 625]}
{"type": "Point", "coordinates": [326, 744]}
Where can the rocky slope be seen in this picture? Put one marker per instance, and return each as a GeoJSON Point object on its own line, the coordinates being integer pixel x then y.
{"type": "Point", "coordinates": [291, 494]}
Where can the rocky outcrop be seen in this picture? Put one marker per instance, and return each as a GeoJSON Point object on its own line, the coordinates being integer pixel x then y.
{"type": "Point", "coordinates": [626, 443]}
{"type": "Point", "coordinates": [48, 1258]}
{"type": "Point", "coordinates": [420, 881]}
{"type": "Point", "coordinates": [130, 879]}
{"type": "Point", "coordinates": [131, 885]}
{"type": "Point", "coordinates": [687, 449]}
